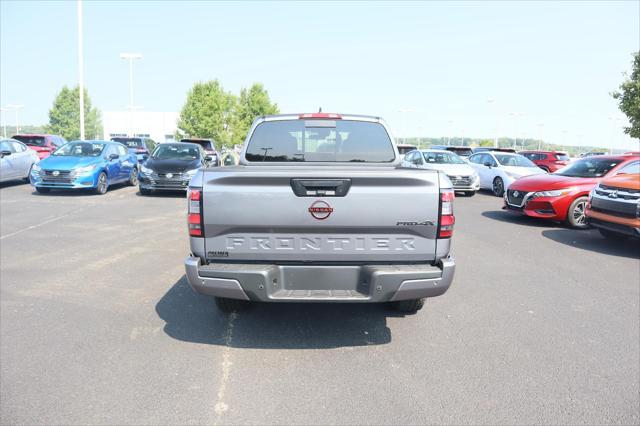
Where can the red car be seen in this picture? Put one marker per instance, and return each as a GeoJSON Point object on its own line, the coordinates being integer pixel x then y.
{"type": "Point", "coordinates": [562, 196]}
{"type": "Point", "coordinates": [547, 160]}
{"type": "Point", "coordinates": [43, 145]}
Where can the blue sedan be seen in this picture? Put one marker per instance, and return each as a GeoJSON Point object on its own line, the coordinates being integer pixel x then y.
{"type": "Point", "coordinates": [86, 164]}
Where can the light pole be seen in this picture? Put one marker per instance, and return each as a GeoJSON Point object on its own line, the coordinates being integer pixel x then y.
{"type": "Point", "coordinates": [540, 126]}
{"type": "Point", "coordinates": [16, 108]}
{"type": "Point", "coordinates": [131, 57]}
{"type": "Point", "coordinates": [450, 131]}
{"type": "Point", "coordinates": [515, 116]}
{"type": "Point", "coordinates": [4, 121]}
{"type": "Point", "coordinates": [491, 101]}
{"type": "Point", "coordinates": [80, 69]}
{"type": "Point", "coordinates": [404, 121]}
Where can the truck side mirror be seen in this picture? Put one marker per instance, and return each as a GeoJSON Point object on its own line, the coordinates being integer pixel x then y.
{"type": "Point", "coordinates": [488, 164]}
{"type": "Point", "coordinates": [4, 153]}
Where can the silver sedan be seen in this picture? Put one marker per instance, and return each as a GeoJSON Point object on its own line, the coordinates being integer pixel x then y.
{"type": "Point", "coordinates": [16, 160]}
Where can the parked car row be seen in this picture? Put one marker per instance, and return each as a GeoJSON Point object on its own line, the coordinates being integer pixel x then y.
{"type": "Point", "coordinates": [547, 185]}
{"type": "Point", "coordinates": [563, 196]}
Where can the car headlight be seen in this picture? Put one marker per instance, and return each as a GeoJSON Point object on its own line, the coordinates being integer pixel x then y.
{"type": "Point", "coordinates": [36, 167]}
{"type": "Point", "coordinates": [475, 176]}
{"type": "Point", "coordinates": [145, 170]}
{"type": "Point", "coordinates": [85, 169]}
{"type": "Point", "coordinates": [554, 193]}
{"type": "Point", "coordinates": [192, 172]}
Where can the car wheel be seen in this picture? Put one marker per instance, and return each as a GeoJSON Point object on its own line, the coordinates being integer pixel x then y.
{"type": "Point", "coordinates": [576, 217]}
{"type": "Point", "coordinates": [42, 190]}
{"type": "Point", "coordinates": [611, 235]}
{"type": "Point", "coordinates": [133, 179]}
{"type": "Point", "coordinates": [103, 184]}
{"type": "Point", "coordinates": [231, 305]}
{"type": "Point", "coordinates": [498, 187]}
{"type": "Point", "coordinates": [410, 306]}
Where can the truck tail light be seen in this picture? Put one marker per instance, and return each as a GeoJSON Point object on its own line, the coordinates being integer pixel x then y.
{"type": "Point", "coordinates": [447, 219]}
{"type": "Point", "coordinates": [194, 217]}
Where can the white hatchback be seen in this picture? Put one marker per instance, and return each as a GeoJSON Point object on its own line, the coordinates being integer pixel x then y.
{"type": "Point", "coordinates": [498, 170]}
{"type": "Point", "coordinates": [463, 177]}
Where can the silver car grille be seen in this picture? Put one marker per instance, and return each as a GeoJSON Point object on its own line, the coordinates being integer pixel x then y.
{"type": "Point", "coordinates": [623, 202]}
{"type": "Point", "coordinates": [178, 180]}
{"type": "Point", "coordinates": [461, 181]}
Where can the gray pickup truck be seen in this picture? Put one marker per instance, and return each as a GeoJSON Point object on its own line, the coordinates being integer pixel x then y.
{"type": "Point", "coordinates": [319, 210]}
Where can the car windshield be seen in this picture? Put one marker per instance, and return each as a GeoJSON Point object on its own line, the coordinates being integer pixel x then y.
{"type": "Point", "coordinates": [319, 140]}
{"type": "Point", "coordinates": [589, 167]}
{"type": "Point", "coordinates": [204, 144]}
{"type": "Point", "coordinates": [403, 149]}
{"type": "Point", "coordinates": [630, 169]}
{"type": "Point", "coordinates": [31, 140]}
{"type": "Point", "coordinates": [130, 142]}
{"type": "Point", "coordinates": [514, 160]}
{"type": "Point", "coordinates": [464, 152]}
{"type": "Point", "coordinates": [80, 149]}
{"type": "Point", "coordinates": [442, 158]}
{"type": "Point", "coordinates": [176, 152]}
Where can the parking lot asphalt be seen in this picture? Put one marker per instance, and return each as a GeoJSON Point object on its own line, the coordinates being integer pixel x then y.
{"type": "Point", "coordinates": [98, 325]}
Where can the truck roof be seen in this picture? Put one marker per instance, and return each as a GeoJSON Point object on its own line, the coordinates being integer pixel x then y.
{"type": "Point", "coordinates": [320, 115]}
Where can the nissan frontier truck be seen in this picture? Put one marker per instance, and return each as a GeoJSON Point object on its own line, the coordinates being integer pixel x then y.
{"type": "Point", "coordinates": [320, 210]}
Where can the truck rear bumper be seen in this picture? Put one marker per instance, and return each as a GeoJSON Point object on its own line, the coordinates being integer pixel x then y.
{"type": "Point", "coordinates": [320, 283]}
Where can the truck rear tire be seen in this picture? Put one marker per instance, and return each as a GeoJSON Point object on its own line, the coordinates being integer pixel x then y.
{"type": "Point", "coordinates": [408, 306]}
{"type": "Point", "coordinates": [231, 305]}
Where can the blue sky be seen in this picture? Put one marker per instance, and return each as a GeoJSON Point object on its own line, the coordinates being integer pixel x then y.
{"type": "Point", "coordinates": [554, 62]}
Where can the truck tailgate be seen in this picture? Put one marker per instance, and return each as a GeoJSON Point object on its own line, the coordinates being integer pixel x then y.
{"type": "Point", "coordinates": [253, 214]}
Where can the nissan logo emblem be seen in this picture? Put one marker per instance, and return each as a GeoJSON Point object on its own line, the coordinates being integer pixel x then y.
{"type": "Point", "coordinates": [320, 210]}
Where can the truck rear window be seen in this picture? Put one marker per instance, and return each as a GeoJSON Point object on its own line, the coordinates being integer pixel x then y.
{"type": "Point", "coordinates": [31, 140]}
{"type": "Point", "coordinates": [129, 142]}
{"type": "Point", "coordinates": [206, 145]}
{"type": "Point", "coordinates": [320, 140]}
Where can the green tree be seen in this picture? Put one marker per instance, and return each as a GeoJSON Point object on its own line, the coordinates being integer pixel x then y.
{"type": "Point", "coordinates": [64, 115]}
{"type": "Point", "coordinates": [629, 98]}
{"type": "Point", "coordinates": [208, 112]}
{"type": "Point", "coordinates": [252, 103]}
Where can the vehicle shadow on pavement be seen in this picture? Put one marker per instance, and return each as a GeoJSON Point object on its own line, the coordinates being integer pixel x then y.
{"type": "Point", "coordinates": [78, 192]}
{"type": "Point", "coordinates": [191, 317]}
{"type": "Point", "coordinates": [164, 194]}
{"type": "Point", "coordinates": [12, 183]}
{"type": "Point", "coordinates": [505, 216]}
{"type": "Point", "coordinates": [592, 240]}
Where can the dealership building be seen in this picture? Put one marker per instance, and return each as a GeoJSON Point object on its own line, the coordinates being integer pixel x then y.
{"type": "Point", "coordinates": [159, 126]}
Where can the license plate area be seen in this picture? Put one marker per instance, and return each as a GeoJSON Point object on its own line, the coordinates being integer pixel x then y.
{"type": "Point", "coordinates": [310, 278]}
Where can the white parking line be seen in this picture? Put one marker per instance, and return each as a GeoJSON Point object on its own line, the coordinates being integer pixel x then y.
{"type": "Point", "coordinates": [221, 406]}
{"type": "Point", "coordinates": [40, 224]}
